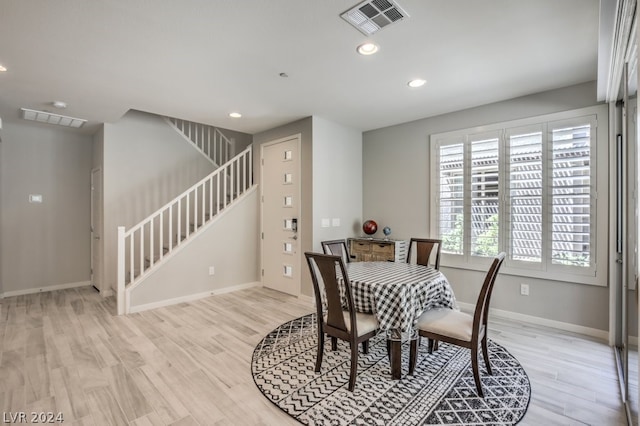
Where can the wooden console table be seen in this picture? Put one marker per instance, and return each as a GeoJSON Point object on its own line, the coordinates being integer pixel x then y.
{"type": "Point", "coordinates": [377, 249]}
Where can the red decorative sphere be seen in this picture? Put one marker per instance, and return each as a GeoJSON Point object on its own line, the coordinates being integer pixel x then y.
{"type": "Point", "coordinates": [369, 227]}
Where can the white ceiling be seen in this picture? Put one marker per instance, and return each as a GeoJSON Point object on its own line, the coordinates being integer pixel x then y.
{"type": "Point", "coordinates": [201, 59]}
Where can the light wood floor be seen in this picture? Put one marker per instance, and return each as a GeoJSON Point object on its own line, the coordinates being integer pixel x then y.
{"type": "Point", "coordinates": [189, 364]}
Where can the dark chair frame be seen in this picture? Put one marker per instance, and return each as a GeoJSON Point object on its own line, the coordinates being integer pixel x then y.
{"type": "Point", "coordinates": [424, 247]}
{"type": "Point", "coordinates": [330, 246]}
{"type": "Point", "coordinates": [329, 267]}
{"type": "Point", "coordinates": [479, 330]}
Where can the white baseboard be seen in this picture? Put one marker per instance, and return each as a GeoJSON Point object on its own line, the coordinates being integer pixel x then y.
{"type": "Point", "coordinates": [191, 297]}
{"type": "Point", "coordinates": [565, 326]}
{"type": "Point", "coordinates": [308, 299]}
{"type": "Point", "coordinates": [107, 292]}
{"type": "Point", "coordinates": [44, 289]}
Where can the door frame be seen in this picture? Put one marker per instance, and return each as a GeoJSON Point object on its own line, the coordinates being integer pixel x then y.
{"type": "Point", "coordinates": [298, 254]}
{"type": "Point", "coordinates": [97, 271]}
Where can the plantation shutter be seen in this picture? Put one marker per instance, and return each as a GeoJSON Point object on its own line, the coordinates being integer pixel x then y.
{"type": "Point", "coordinates": [485, 201]}
{"type": "Point", "coordinates": [571, 195]}
{"type": "Point", "coordinates": [451, 197]}
{"type": "Point", "coordinates": [525, 192]}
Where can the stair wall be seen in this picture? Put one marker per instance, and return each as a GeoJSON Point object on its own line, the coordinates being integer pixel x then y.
{"type": "Point", "coordinates": [230, 244]}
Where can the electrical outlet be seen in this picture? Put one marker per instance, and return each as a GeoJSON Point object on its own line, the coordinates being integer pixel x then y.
{"type": "Point", "coordinates": [212, 270]}
{"type": "Point", "coordinates": [524, 289]}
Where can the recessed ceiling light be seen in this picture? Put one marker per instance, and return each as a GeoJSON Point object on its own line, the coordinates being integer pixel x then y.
{"type": "Point", "coordinates": [418, 82]}
{"type": "Point", "coordinates": [367, 49]}
{"type": "Point", "coordinates": [2, 68]}
{"type": "Point", "coordinates": [59, 104]}
{"type": "Point", "coordinates": [235, 115]}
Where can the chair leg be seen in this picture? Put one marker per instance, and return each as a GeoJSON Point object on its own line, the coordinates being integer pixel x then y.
{"type": "Point", "coordinates": [365, 347]}
{"type": "Point", "coordinates": [431, 342]}
{"type": "Point", "coordinates": [435, 345]}
{"type": "Point", "coordinates": [320, 349]}
{"type": "Point", "coordinates": [389, 349]}
{"type": "Point", "coordinates": [476, 372]}
{"type": "Point", "coordinates": [354, 366]}
{"type": "Point", "coordinates": [485, 355]}
{"type": "Point", "coordinates": [334, 343]}
{"type": "Point", "coordinates": [413, 354]}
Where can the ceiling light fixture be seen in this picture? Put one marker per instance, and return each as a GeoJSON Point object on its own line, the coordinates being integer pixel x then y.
{"type": "Point", "coordinates": [235, 115]}
{"type": "Point", "coordinates": [418, 82]}
{"type": "Point", "coordinates": [367, 48]}
{"type": "Point", "coordinates": [2, 68]}
{"type": "Point", "coordinates": [47, 117]}
{"type": "Point", "coordinates": [59, 104]}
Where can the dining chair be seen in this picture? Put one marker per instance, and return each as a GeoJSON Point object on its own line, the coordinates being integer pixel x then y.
{"type": "Point", "coordinates": [423, 248]}
{"type": "Point", "coordinates": [459, 328]}
{"type": "Point", "coordinates": [338, 322]}
{"type": "Point", "coordinates": [336, 247]}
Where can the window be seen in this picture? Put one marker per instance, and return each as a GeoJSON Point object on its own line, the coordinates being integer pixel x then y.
{"type": "Point", "coordinates": [527, 188]}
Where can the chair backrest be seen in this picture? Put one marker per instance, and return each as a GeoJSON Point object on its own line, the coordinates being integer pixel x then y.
{"type": "Point", "coordinates": [325, 271]}
{"type": "Point", "coordinates": [481, 313]}
{"type": "Point", "coordinates": [424, 251]}
{"type": "Point", "coordinates": [336, 247]}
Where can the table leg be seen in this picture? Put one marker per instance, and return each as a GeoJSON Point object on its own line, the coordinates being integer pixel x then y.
{"type": "Point", "coordinates": [395, 350]}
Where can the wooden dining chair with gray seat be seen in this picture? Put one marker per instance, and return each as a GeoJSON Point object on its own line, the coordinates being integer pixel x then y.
{"type": "Point", "coordinates": [336, 247]}
{"type": "Point", "coordinates": [459, 328]}
{"type": "Point", "coordinates": [421, 252]}
{"type": "Point", "coordinates": [338, 323]}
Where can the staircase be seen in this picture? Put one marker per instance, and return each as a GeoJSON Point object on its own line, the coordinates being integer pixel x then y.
{"type": "Point", "coordinates": [209, 140]}
{"type": "Point", "coordinates": [146, 246]}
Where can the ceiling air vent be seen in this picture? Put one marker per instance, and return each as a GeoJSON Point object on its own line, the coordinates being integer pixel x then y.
{"type": "Point", "coordinates": [371, 16]}
{"type": "Point", "coordinates": [47, 117]}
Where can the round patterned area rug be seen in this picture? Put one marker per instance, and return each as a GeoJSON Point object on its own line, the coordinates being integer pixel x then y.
{"type": "Point", "coordinates": [441, 390]}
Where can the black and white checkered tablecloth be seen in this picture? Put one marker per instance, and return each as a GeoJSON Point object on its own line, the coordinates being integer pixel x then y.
{"type": "Point", "coordinates": [398, 292]}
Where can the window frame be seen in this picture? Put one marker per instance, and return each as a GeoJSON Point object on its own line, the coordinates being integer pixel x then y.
{"type": "Point", "coordinates": [596, 273]}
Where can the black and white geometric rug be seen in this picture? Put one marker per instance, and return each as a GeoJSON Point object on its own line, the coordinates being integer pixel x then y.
{"type": "Point", "coordinates": [441, 390]}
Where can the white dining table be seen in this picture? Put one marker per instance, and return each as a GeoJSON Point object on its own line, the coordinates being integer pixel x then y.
{"type": "Point", "coordinates": [398, 293]}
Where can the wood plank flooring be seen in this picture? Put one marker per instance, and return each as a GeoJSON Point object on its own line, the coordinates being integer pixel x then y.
{"type": "Point", "coordinates": [189, 364]}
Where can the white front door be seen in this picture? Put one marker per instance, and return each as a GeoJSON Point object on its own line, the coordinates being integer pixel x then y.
{"type": "Point", "coordinates": [280, 215]}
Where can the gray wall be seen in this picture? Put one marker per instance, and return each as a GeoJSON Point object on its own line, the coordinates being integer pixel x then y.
{"type": "Point", "coordinates": [242, 140]}
{"type": "Point", "coordinates": [397, 192]}
{"type": "Point", "coordinates": [337, 180]}
{"type": "Point", "coordinates": [44, 245]}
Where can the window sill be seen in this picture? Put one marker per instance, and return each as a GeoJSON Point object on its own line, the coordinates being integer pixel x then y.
{"type": "Point", "coordinates": [596, 280]}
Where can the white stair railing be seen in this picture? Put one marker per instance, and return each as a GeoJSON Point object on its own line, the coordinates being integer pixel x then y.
{"type": "Point", "coordinates": [146, 245]}
{"type": "Point", "coordinates": [209, 140]}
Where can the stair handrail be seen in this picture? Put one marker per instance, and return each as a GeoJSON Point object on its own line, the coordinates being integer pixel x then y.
{"type": "Point", "coordinates": [217, 150]}
{"type": "Point", "coordinates": [233, 179]}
